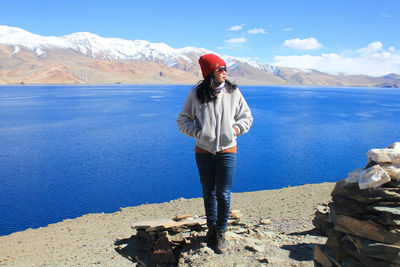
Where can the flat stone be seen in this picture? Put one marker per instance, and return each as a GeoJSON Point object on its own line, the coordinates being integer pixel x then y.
{"type": "Point", "coordinates": [147, 224]}
{"type": "Point", "coordinates": [175, 224]}
{"type": "Point", "coordinates": [198, 221]}
{"type": "Point", "coordinates": [359, 258]}
{"type": "Point", "coordinates": [366, 229]}
{"type": "Point", "coordinates": [179, 237]}
{"type": "Point", "coordinates": [241, 231]}
{"type": "Point", "coordinates": [366, 196]}
{"type": "Point", "coordinates": [376, 250]}
{"type": "Point", "coordinates": [390, 154]}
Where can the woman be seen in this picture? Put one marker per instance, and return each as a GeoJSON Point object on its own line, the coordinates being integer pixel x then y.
{"type": "Point", "coordinates": [215, 113]}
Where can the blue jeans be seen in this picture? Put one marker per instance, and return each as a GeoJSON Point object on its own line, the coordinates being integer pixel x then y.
{"type": "Point", "coordinates": [216, 176]}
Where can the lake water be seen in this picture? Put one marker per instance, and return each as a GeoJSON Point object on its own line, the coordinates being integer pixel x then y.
{"type": "Point", "coordinates": [70, 150]}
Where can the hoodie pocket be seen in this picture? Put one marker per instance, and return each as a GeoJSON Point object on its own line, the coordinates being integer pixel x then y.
{"type": "Point", "coordinates": [227, 136]}
{"type": "Point", "coordinates": [206, 136]}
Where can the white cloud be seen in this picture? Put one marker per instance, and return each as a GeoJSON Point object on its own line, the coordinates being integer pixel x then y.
{"type": "Point", "coordinates": [287, 29]}
{"type": "Point", "coordinates": [386, 15]}
{"type": "Point", "coordinates": [371, 48]}
{"type": "Point", "coordinates": [236, 40]}
{"type": "Point", "coordinates": [236, 27]}
{"type": "Point", "coordinates": [392, 49]}
{"type": "Point", "coordinates": [256, 31]}
{"type": "Point", "coordinates": [377, 62]}
{"type": "Point", "coordinates": [303, 44]}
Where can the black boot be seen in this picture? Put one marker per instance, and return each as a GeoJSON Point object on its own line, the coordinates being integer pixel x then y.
{"type": "Point", "coordinates": [221, 242]}
{"type": "Point", "coordinates": [211, 236]}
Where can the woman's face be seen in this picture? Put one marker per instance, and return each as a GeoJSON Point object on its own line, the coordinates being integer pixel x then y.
{"type": "Point", "coordinates": [220, 74]}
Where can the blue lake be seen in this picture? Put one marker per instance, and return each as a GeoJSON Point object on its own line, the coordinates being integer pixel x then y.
{"type": "Point", "coordinates": [70, 150]}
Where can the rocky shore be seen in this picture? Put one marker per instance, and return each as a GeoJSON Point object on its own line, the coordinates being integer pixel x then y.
{"type": "Point", "coordinates": [276, 230]}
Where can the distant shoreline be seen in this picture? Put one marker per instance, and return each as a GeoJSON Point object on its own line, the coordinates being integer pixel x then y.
{"type": "Point", "coordinates": [184, 84]}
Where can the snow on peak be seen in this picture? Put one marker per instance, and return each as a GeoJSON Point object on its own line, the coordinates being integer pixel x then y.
{"type": "Point", "coordinates": [232, 61]}
{"type": "Point", "coordinates": [116, 48]}
{"type": "Point", "coordinates": [19, 37]}
{"type": "Point", "coordinates": [93, 45]}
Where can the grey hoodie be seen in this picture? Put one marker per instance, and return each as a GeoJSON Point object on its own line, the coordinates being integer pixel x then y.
{"type": "Point", "coordinates": [213, 123]}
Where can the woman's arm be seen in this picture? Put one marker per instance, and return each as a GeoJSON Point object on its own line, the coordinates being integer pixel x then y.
{"type": "Point", "coordinates": [186, 118]}
{"type": "Point", "coordinates": [243, 117]}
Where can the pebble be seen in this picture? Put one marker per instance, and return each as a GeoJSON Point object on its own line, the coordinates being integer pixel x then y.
{"type": "Point", "coordinates": [265, 221]}
{"type": "Point", "coordinates": [263, 259]}
{"type": "Point", "coordinates": [257, 248]}
{"type": "Point", "coordinates": [242, 231]}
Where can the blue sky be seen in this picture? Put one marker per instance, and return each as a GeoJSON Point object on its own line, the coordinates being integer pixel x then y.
{"type": "Point", "coordinates": [334, 36]}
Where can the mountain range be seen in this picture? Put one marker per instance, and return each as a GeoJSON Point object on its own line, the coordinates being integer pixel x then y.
{"type": "Point", "coordinates": [86, 58]}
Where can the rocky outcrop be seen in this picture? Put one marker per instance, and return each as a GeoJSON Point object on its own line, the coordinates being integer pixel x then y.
{"type": "Point", "coordinates": [363, 220]}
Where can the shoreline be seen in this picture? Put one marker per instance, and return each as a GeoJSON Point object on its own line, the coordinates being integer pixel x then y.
{"type": "Point", "coordinates": [192, 85]}
{"type": "Point", "coordinates": [90, 239]}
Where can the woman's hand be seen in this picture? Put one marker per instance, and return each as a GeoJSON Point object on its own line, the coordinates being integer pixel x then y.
{"type": "Point", "coordinates": [235, 130]}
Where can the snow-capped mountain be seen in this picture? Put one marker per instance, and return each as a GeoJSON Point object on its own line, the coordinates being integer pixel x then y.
{"type": "Point", "coordinates": [91, 45]}
{"type": "Point", "coordinates": [99, 47]}
{"type": "Point", "coordinates": [85, 57]}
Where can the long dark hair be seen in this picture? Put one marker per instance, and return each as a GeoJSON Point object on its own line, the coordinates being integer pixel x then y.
{"type": "Point", "coordinates": [204, 88]}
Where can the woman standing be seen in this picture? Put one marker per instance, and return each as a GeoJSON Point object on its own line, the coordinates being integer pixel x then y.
{"type": "Point", "coordinates": [215, 113]}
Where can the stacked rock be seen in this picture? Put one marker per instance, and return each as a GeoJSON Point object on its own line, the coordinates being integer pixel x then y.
{"type": "Point", "coordinates": [363, 220]}
{"type": "Point", "coordinates": [166, 237]}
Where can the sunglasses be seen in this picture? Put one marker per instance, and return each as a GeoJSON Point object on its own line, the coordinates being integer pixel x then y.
{"type": "Point", "coordinates": [223, 68]}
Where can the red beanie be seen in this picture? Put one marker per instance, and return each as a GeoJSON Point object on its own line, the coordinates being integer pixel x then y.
{"type": "Point", "coordinates": [209, 63]}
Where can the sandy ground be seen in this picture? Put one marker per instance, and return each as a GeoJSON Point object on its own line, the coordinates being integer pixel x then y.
{"type": "Point", "coordinates": [91, 240]}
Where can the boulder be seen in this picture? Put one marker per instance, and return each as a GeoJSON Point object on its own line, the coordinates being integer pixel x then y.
{"type": "Point", "coordinates": [373, 177]}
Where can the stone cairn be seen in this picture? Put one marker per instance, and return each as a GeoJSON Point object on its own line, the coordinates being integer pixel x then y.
{"type": "Point", "coordinates": [167, 236]}
{"type": "Point", "coordinates": [362, 222]}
